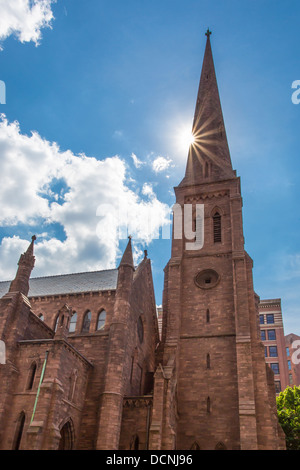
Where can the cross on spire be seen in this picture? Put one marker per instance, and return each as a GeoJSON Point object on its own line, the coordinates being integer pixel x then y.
{"type": "Point", "coordinates": [208, 33]}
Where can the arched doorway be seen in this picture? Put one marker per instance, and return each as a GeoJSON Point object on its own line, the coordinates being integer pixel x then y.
{"type": "Point", "coordinates": [66, 436]}
{"type": "Point", "coordinates": [221, 446]}
{"type": "Point", "coordinates": [135, 443]}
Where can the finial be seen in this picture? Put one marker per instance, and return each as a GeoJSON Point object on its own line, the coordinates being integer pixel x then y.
{"type": "Point", "coordinates": [146, 254]}
{"type": "Point", "coordinates": [208, 33]}
{"type": "Point", "coordinates": [129, 237]}
{"type": "Point", "coordinates": [33, 238]}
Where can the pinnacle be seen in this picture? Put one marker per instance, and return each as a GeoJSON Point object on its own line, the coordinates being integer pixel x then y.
{"type": "Point", "coordinates": [127, 259]}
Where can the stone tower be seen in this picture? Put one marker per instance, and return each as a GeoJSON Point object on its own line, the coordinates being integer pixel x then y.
{"type": "Point", "coordinates": [212, 388]}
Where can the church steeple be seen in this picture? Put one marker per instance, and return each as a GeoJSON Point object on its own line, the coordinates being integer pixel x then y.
{"type": "Point", "coordinates": [26, 265]}
{"type": "Point", "coordinates": [209, 156]}
{"type": "Point", "coordinates": [127, 259]}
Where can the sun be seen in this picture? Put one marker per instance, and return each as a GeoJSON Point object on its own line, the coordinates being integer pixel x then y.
{"type": "Point", "coordinates": [186, 138]}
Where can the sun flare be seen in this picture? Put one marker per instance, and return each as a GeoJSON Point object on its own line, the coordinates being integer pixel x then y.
{"type": "Point", "coordinates": [186, 139]}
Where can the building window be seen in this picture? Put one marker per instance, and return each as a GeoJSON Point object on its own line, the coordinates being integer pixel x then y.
{"type": "Point", "coordinates": [86, 322]}
{"type": "Point", "coordinates": [207, 316]}
{"type": "Point", "coordinates": [19, 431]}
{"type": "Point", "coordinates": [56, 322]}
{"type": "Point", "coordinates": [31, 376]}
{"type": "Point", "coordinates": [206, 170]}
{"type": "Point", "coordinates": [208, 405]}
{"type": "Point", "coordinates": [73, 323]}
{"type": "Point", "coordinates": [208, 361]}
{"type": "Point", "coordinates": [275, 367]}
{"type": "Point", "coordinates": [270, 318]}
{"type": "Point", "coordinates": [291, 379]}
{"type": "Point", "coordinates": [277, 386]}
{"type": "Point", "coordinates": [289, 365]}
{"type": "Point", "coordinates": [140, 329]}
{"type": "Point", "coordinates": [273, 351]}
{"type": "Point", "coordinates": [101, 320]}
{"type": "Point", "coordinates": [41, 317]}
{"type": "Point", "coordinates": [287, 352]}
{"type": "Point", "coordinates": [261, 319]}
{"type": "Point", "coordinates": [263, 335]}
{"type": "Point", "coordinates": [266, 351]}
{"type": "Point", "coordinates": [271, 335]}
{"type": "Point", "coordinates": [217, 228]}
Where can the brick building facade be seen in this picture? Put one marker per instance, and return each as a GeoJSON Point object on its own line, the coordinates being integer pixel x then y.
{"type": "Point", "coordinates": [272, 336]}
{"type": "Point", "coordinates": [85, 367]}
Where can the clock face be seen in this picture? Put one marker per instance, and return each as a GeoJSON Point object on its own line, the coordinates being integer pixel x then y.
{"type": "Point", "coordinates": [207, 279]}
{"type": "Point", "coordinates": [140, 329]}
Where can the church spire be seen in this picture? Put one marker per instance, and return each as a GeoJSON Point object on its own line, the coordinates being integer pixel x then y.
{"type": "Point", "coordinates": [26, 264]}
{"type": "Point", "coordinates": [209, 156]}
{"type": "Point", "coordinates": [127, 259]}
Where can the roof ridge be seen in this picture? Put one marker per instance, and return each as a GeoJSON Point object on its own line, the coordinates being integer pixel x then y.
{"type": "Point", "coordinates": [70, 274]}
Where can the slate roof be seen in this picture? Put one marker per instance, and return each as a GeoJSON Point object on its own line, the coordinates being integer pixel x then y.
{"type": "Point", "coordinates": [69, 283]}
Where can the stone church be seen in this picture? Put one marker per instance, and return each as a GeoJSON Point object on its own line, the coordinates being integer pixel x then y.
{"type": "Point", "coordinates": [87, 366]}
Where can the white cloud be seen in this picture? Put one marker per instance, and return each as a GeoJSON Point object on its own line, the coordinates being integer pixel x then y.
{"type": "Point", "coordinates": [25, 19]}
{"type": "Point", "coordinates": [161, 164]}
{"type": "Point", "coordinates": [30, 166]}
{"type": "Point", "coordinates": [137, 163]}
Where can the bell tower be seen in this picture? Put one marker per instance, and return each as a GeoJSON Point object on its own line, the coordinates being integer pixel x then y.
{"type": "Point", "coordinates": [212, 359]}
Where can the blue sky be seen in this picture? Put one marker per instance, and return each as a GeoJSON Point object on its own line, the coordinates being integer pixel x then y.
{"type": "Point", "coordinates": [108, 91]}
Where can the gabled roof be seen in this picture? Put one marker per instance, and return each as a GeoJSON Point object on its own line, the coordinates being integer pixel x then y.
{"type": "Point", "coordinates": [69, 283]}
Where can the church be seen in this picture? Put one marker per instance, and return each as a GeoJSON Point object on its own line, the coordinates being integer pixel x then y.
{"type": "Point", "coordinates": [88, 366]}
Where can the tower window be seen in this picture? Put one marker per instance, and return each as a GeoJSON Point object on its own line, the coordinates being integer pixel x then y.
{"type": "Point", "coordinates": [206, 170]}
{"type": "Point", "coordinates": [207, 316]}
{"type": "Point", "coordinates": [217, 228]}
{"type": "Point", "coordinates": [208, 361]}
{"type": "Point", "coordinates": [208, 405]}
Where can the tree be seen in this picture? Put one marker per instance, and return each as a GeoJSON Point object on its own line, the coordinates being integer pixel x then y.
{"type": "Point", "coordinates": [288, 408]}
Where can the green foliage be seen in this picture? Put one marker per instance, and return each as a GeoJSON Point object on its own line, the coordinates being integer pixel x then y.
{"type": "Point", "coordinates": [288, 408]}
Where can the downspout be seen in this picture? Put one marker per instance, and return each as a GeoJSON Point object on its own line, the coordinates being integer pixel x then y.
{"type": "Point", "coordinates": [39, 387]}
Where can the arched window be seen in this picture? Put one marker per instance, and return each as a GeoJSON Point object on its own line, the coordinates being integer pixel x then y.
{"type": "Point", "coordinates": [140, 329]}
{"type": "Point", "coordinates": [31, 376]}
{"type": "Point", "coordinates": [86, 322]}
{"type": "Point", "coordinates": [207, 316]}
{"type": "Point", "coordinates": [208, 361]}
{"type": "Point", "coordinates": [206, 170]}
{"type": "Point", "coordinates": [73, 323]}
{"type": "Point", "coordinates": [217, 228]}
{"type": "Point", "coordinates": [208, 405]}
{"type": "Point", "coordinates": [101, 320]}
{"type": "Point", "coordinates": [72, 385]}
{"type": "Point", "coordinates": [41, 317]}
{"type": "Point", "coordinates": [2, 353]}
{"type": "Point", "coordinates": [19, 431]}
{"type": "Point", "coordinates": [56, 322]}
